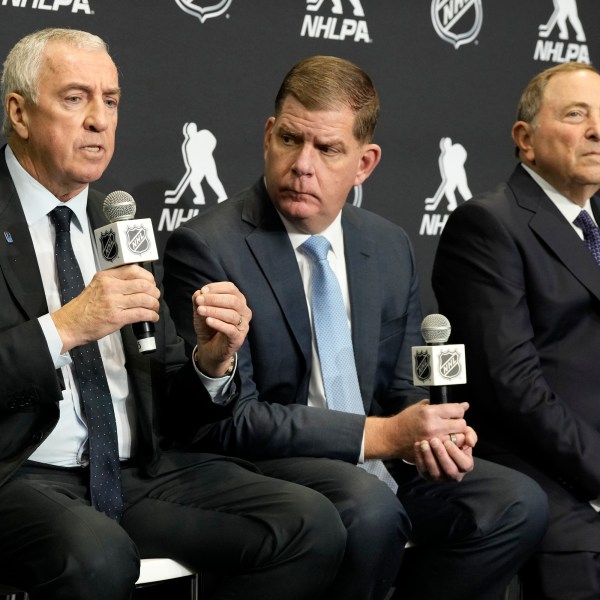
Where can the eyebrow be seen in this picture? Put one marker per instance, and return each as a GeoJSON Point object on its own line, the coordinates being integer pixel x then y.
{"type": "Point", "coordinates": [577, 104]}
{"type": "Point", "coordinates": [86, 88]}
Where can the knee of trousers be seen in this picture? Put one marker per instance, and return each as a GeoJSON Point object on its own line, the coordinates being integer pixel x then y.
{"type": "Point", "coordinates": [317, 525]}
{"type": "Point", "coordinates": [97, 559]}
{"type": "Point", "coordinates": [377, 519]}
{"type": "Point", "coordinates": [529, 510]}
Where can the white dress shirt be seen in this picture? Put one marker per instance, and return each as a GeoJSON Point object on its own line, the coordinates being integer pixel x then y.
{"type": "Point", "coordinates": [568, 209]}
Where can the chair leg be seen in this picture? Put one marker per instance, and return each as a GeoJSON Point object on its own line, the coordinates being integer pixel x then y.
{"type": "Point", "coordinates": [194, 587]}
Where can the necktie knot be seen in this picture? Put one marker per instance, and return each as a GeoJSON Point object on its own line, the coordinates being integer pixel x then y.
{"type": "Point", "coordinates": [586, 222]}
{"type": "Point", "coordinates": [591, 233]}
{"type": "Point", "coordinates": [61, 217]}
{"type": "Point", "coordinates": [317, 247]}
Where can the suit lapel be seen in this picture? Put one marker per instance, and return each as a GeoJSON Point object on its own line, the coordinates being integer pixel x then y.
{"type": "Point", "coordinates": [557, 233]}
{"type": "Point", "coordinates": [18, 260]}
{"type": "Point", "coordinates": [365, 303]}
{"type": "Point", "coordinates": [270, 245]}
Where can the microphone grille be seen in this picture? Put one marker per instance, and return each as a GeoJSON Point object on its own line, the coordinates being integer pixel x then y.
{"type": "Point", "coordinates": [119, 206]}
{"type": "Point", "coordinates": [435, 329]}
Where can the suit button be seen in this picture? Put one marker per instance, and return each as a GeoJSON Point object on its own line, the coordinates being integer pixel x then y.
{"type": "Point", "coordinates": [37, 436]}
{"type": "Point", "coordinates": [12, 404]}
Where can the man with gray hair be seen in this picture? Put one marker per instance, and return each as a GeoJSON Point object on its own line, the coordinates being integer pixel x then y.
{"type": "Point", "coordinates": [85, 489]}
{"type": "Point", "coordinates": [517, 274]}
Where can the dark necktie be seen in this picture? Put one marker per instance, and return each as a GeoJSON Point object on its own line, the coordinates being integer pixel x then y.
{"type": "Point", "coordinates": [334, 343]}
{"type": "Point", "coordinates": [105, 471]}
{"type": "Point", "coordinates": [591, 235]}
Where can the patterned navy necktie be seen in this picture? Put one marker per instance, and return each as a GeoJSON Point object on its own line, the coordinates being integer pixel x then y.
{"type": "Point", "coordinates": [334, 343]}
{"type": "Point", "coordinates": [96, 401]}
{"type": "Point", "coordinates": [591, 235]}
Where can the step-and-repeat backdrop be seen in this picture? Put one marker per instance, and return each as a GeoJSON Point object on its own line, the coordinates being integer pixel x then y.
{"type": "Point", "coordinates": [200, 76]}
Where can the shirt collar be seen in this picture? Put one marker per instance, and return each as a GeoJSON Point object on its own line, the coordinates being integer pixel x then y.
{"type": "Point", "coordinates": [37, 201]}
{"type": "Point", "coordinates": [333, 233]}
{"type": "Point", "coordinates": [568, 209]}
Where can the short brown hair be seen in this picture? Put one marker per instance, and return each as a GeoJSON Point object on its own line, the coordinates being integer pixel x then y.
{"type": "Point", "coordinates": [326, 83]}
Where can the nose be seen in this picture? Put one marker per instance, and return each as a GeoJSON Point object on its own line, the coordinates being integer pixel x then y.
{"type": "Point", "coordinates": [96, 118]}
{"type": "Point", "coordinates": [593, 126]}
{"type": "Point", "coordinates": [304, 162]}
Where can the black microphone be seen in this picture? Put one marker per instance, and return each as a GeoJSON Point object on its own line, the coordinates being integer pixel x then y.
{"type": "Point", "coordinates": [438, 364]}
{"type": "Point", "coordinates": [127, 241]}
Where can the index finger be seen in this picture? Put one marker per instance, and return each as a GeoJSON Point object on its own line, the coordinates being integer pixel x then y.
{"type": "Point", "coordinates": [131, 272]}
{"type": "Point", "coordinates": [220, 287]}
{"type": "Point", "coordinates": [452, 410]}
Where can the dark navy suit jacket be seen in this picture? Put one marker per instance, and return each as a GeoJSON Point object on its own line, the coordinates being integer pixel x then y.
{"type": "Point", "coordinates": [522, 292]}
{"type": "Point", "coordinates": [243, 240]}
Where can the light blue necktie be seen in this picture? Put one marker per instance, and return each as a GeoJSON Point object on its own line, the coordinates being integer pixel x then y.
{"type": "Point", "coordinates": [591, 234]}
{"type": "Point", "coordinates": [334, 343]}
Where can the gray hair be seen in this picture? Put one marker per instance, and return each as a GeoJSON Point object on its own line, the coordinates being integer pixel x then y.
{"type": "Point", "coordinates": [21, 70]}
{"type": "Point", "coordinates": [533, 94]}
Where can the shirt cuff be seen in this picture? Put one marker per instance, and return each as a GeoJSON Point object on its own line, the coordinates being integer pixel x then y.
{"type": "Point", "coordinates": [221, 389]}
{"type": "Point", "coordinates": [54, 342]}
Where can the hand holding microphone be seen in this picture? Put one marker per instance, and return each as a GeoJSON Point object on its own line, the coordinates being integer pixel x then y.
{"type": "Point", "coordinates": [127, 241]}
{"type": "Point", "coordinates": [438, 364]}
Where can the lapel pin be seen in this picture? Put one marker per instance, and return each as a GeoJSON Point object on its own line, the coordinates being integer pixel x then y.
{"type": "Point", "coordinates": [8, 237]}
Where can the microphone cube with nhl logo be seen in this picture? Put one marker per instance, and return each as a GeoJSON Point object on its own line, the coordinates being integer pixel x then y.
{"type": "Point", "coordinates": [439, 365]}
{"type": "Point", "coordinates": [125, 243]}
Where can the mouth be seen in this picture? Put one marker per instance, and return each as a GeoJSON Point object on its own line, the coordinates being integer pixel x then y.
{"type": "Point", "coordinates": [297, 194]}
{"type": "Point", "coordinates": [94, 148]}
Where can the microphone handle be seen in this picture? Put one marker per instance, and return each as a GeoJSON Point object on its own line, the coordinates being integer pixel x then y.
{"type": "Point", "coordinates": [438, 394]}
{"type": "Point", "coordinates": [144, 333]}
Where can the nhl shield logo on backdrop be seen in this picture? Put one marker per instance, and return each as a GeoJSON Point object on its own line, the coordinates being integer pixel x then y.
{"type": "Point", "coordinates": [137, 240]}
{"type": "Point", "coordinates": [457, 21]}
{"type": "Point", "coordinates": [422, 365]}
{"type": "Point", "coordinates": [204, 10]}
{"type": "Point", "coordinates": [449, 364]}
{"type": "Point", "coordinates": [108, 243]}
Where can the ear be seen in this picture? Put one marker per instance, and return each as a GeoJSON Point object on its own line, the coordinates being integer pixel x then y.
{"type": "Point", "coordinates": [267, 138]}
{"type": "Point", "coordinates": [371, 155]}
{"type": "Point", "coordinates": [17, 114]}
{"type": "Point", "coordinates": [522, 135]}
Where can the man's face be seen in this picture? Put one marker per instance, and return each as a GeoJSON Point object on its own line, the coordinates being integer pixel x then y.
{"type": "Point", "coordinates": [563, 143]}
{"type": "Point", "coordinates": [67, 139]}
{"type": "Point", "coordinates": [312, 160]}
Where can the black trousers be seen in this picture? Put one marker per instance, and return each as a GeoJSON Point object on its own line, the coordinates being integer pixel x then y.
{"type": "Point", "coordinates": [562, 576]}
{"type": "Point", "coordinates": [471, 537]}
{"type": "Point", "coordinates": [270, 539]}
{"type": "Point", "coordinates": [566, 565]}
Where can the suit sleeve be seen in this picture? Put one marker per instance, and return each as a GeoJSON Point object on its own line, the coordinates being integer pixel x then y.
{"type": "Point", "coordinates": [482, 280]}
{"type": "Point", "coordinates": [27, 372]}
{"type": "Point", "coordinates": [249, 426]}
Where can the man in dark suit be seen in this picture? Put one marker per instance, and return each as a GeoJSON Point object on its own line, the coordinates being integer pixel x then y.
{"type": "Point", "coordinates": [484, 522]}
{"type": "Point", "coordinates": [521, 288]}
{"type": "Point", "coordinates": [270, 538]}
